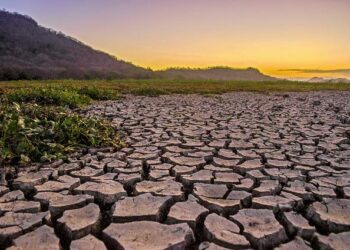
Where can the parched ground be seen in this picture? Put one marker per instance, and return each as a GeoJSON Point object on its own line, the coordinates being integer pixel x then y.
{"type": "Point", "coordinates": [234, 171]}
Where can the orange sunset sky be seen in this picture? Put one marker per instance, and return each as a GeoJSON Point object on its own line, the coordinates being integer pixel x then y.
{"type": "Point", "coordinates": [285, 38]}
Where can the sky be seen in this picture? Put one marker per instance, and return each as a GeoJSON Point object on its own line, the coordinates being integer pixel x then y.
{"type": "Point", "coordinates": [285, 38]}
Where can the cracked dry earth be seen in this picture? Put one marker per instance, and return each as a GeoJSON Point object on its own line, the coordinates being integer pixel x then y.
{"type": "Point", "coordinates": [235, 171]}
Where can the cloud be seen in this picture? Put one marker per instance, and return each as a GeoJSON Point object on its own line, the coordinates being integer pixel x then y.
{"type": "Point", "coordinates": [317, 71]}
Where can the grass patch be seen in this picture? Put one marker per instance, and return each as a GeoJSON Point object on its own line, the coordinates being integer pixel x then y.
{"type": "Point", "coordinates": [34, 133]}
{"type": "Point", "coordinates": [98, 93]}
{"type": "Point", "coordinates": [71, 97]}
{"type": "Point", "coordinates": [155, 87]}
{"type": "Point", "coordinates": [48, 96]}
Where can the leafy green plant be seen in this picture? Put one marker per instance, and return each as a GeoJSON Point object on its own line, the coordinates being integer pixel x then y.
{"type": "Point", "coordinates": [33, 133]}
{"type": "Point", "coordinates": [48, 96]}
{"type": "Point", "coordinates": [98, 93]}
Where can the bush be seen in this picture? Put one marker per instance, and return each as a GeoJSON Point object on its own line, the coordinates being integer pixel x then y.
{"type": "Point", "coordinates": [98, 93]}
{"type": "Point", "coordinates": [48, 96]}
{"type": "Point", "coordinates": [32, 133]}
{"type": "Point", "coordinates": [146, 91]}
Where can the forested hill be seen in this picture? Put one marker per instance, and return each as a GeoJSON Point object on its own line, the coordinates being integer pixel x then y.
{"type": "Point", "coordinates": [29, 51]}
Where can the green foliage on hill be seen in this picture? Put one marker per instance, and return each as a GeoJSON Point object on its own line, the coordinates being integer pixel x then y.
{"type": "Point", "coordinates": [29, 51]}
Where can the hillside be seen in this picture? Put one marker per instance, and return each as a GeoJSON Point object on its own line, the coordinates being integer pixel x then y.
{"type": "Point", "coordinates": [328, 80]}
{"type": "Point", "coordinates": [215, 73]}
{"type": "Point", "coordinates": [29, 51]}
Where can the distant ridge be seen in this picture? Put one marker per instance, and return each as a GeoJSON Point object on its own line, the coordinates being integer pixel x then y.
{"type": "Point", "coordinates": [29, 51]}
{"type": "Point", "coordinates": [216, 73]}
{"type": "Point", "coordinates": [326, 80]}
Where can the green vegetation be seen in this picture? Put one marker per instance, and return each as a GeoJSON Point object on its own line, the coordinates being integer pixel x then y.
{"type": "Point", "coordinates": [98, 93]}
{"type": "Point", "coordinates": [36, 126]}
{"type": "Point", "coordinates": [34, 133]}
{"type": "Point", "coordinates": [162, 86]}
{"type": "Point", "coordinates": [48, 96]}
{"type": "Point", "coordinates": [66, 96]}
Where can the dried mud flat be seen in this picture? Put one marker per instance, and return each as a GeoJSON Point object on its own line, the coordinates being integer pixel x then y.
{"type": "Point", "coordinates": [235, 171]}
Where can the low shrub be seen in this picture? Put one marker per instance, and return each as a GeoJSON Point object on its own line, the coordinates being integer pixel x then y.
{"type": "Point", "coordinates": [33, 133]}
{"type": "Point", "coordinates": [98, 93]}
{"type": "Point", "coordinates": [48, 96]}
{"type": "Point", "coordinates": [148, 91]}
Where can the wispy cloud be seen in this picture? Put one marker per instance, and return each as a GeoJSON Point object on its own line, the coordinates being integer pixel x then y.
{"type": "Point", "coordinates": [317, 71]}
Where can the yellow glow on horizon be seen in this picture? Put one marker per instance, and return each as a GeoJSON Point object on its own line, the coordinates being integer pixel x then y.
{"type": "Point", "coordinates": [268, 56]}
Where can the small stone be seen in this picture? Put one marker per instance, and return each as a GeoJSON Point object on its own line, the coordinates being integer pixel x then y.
{"type": "Point", "coordinates": [187, 211]}
{"type": "Point", "coordinates": [58, 203]}
{"type": "Point", "coordinates": [296, 224]}
{"type": "Point", "coordinates": [128, 170]}
{"type": "Point", "coordinates": [333, 241]}
{"type": "Point", "coordinates": [216, 169]}
{"type": "Point", "coordinates": [275, 203]}
{"type": "Point", "coordinates": [267, 187]}
{"type": "Point", "coordinates": [16, 195]}
{"type": "Point", "coordinates": [323, 192]}
{"type": "Point", "coordinates": [261, 228]}
{"type": "Point", "coordinates": [202, 176]}
{"type": "Point", "coordinates": [210, 246]}
{"type": "Point", "coordinates": [216, 191]}
{"type": "Point", "coordinates": [177, 171]}
{"type": "Point", "coordinates": [257, 175]}
{"type": "Point", "coordinates": [87, 243]}
{"type": "Point", "coordinates": [248, 154]}
{"type": "Point", "coordinates": [77, 223]}
{"type": "Point", "coordinates": [249, 165]}
{"type": "Point", "coordinates": [13, 225]}
{"type": "Point", "coordinates": [246, 185]}
{"type": "Point", "coordinates": [333, 215]}
{"type": "Point", "coordinates": [4, 190]}
{"type": "Point", "coordinates": [244, 197]}
{"type": "Point", "coordinates": [86, 173]}
{"type": "Point", "coordinates": [54, 186]}
{"type": "Point", "coordinates": [68, 167]}
{"type": "Point", "coordinates": [346, 192]}
{"type": "Point", "coordinates": [148, 235]}
{"type": "Point", "coordinates": [224, 232]}
{"type": "Point", "coordinates": [241, 145]}
{"type": "Point", "coordinates": [105, 177]}
{"type": "Point", "coordinates": [20, 207]}
{"type": "Point", "coordinates": [116, 164]}
{"type": "Point", "coordinates": [278, 164]}
{"type": "Point", "coordinates": [128, 179]}
{"type": "Point", "coordinates": [144, 157]}
{"type": "Point", "coordinates": [298, 188]}
{"type": "Point", "coordinates": [42, 238]}
{"type": "Point", "coordinates": [187, 161]}
{"type": "Point", "coordinates": [73, 182]}
{"type": "Point", "coordinates": [142, 207]}
{"type": "Point", "coordinates": [296, 244]}
{"type": "Point", "coordinates": [161, 188]}
{"type": "Point", "coordinates": [220, 206]}
{"type": "Point", "coordinates": [228, 154]}
{"type": "Point", "coordinates": [227, 178]}
{"type": "Point", "coordinates": [27, 182]}
{"type": "Point", "coordinates": [225, 163]}
{"type": "Point", "coordinates": [155, 175]}
{"type": "Point", "coordinates": [106, 192]}
{"type": "Point", "coordinates": [162, 166]}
